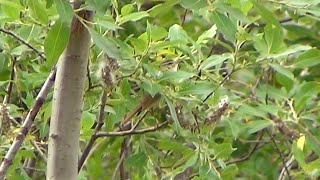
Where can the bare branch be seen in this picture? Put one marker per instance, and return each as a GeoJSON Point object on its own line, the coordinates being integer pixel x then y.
{"type": "Point", "coordinates": [41, 54]}
{"type": "Point", "coordinates": [285, 168]}
{"type": "Point", "coordinates": [39, 151]}
{"type": "Point", "coordinates": [130, 132]}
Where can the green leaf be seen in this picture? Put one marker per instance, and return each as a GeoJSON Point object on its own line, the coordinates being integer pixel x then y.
{"type": "Point", "coordinates": [139, 45]}
{"type": "Point", "coordinates": [260, 44]}
{"type": "Point", "coordinates": [106, 44]}
{"type": "Point", "coordinates": [305, 92]}
{"type": "Point", "coordinates": [127, 9]}
{"type": "Point", "coordinates": [4, 68]}
{"type": "Point", "coordinates": [312, 168]}
{"type": "Point", "coordinates": [298, 30]}
{"type": "Point", "coordinates": [65, 11]}
{"type": "Point", "coordinates": [137, 160]}
{"type": "Point", "coordinates": [156, 33]}
{"type": "Point", "coordinates": [257, 125]}
{"type": "Point", "coordinates": [235, 127]}
{"type": "Point", "coordinates": [11, 8]}
{"type": "Point", "coordinates": [251, 111]}
{"type": "Point", "coordinates": [298, 154]}
{"type": "Point", "coordinates": [100, 6]}
{"type": "Point", "coordinates": [87, 120]}
{"type": "Point", "coordinates": [266, 14]}
{"type": "Point", "coordinates": [175, 146]}
{"type": "Point", "coordinates": [151, 87]}
{"type": "Point", "coordinates": [194, 4]}
{"type": "Point", "coordinates": [285, 52]}
{"type": "Point", "coordinates": [55, 42]}
{"type": "Point", "coordinates": [274, 38]}
{"type": "Point", "coordinates": [313, 145]}
{"type": "Point", "coordinates": [176, 33]}
{"type": "Point", "coordinates": [125, 87]}
{"type": "Point", "coordinates": [177, 76]}
{"type": "Point", "coordinates": [199, 88]}
{"type": "Point", "coordinates": [214, 60]}
{"type": "Point", "coordinates": [308, 59]}
{"type": "Point", "coordinates": [223, 150]}
{"type": "Point", "coordinates": [207, 172]}
{"type": "Point", "coordinates": [153, 70]}
{"type": "Point", "coordinates": [173, 113]}
{"type": "Point", "coordinates": [166, 44]}
{"type": "Point", "coordinates": [207, 35]}
{"type": "Point", "coordinates": [225, 25]}
{"type": "Point", "coordinates": [38, 10]}
{"type": "Point", "coordinates": [108, 24]}
{"type": "Point", "coordinates": [243, 5]}
{"type": "Point", "coordinates": [163, 8]}
{"type": "Point", "coordinates": [280, 69]}
{"type": "Point", "coordinates": [133, 17]}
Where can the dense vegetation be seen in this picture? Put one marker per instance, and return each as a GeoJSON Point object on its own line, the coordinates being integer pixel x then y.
{"type": "Point", "coordinates": [181, 89]}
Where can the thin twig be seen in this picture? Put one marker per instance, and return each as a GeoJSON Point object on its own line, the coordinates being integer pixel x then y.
{"type": "Point", "coordinates": [280, 153]}
{"type": "Point", "coordinates": [184, 17]}
{"type": "Point", "coordinates": [288, 164]}
{"type": "Point", "coordinates": [88, 76]}
{"type": "Point", "coordinates": [39, 151]}
{"type": "Point", "coordinates": [35, 169]}
{"type": "Point", "coordinates": [247, 156]}
{"type": "Point", "coordinates": [130, 132]}
{"type": "Point", "coordinates": [119, 163]}
{"type": "Point", "coordinates": [125, 152]}
{"type": "Point", "coordinates": [41, 54]}
{"type": "Point", "coordinates": [139, 121]}
{"type": "Point", "coordinates": [6, 99]}
{"type": "Point", "coordinates": [220, 84]}
{"type": "Point", "coordinates": [98, 127]}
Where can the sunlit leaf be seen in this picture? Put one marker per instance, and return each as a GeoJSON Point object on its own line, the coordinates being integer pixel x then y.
{"type": "Point", "coordinates": [194, 4]}
{"type": "Point", "coordinates": [11, 8]}
{"type": "Point", "coordinates": [282, 70]}
{"type": "Point", "coordinates": [309, 58]}
{"type": "Point", "coordinates": [225, 25]}
{"type": "Point", "coordinates": [4, 68]}
{"type": "Point", "coordinates": [87, 120]}
{"type": "Point", "coordinates": [65, 11]}
{"type": "Point", "coordinates": [106, 44]}
{"type": "Point", "coordinates": [38, 10]}
{"type": "Point", "coordinates": [214, 60]}
{"type": "Point", "coordinates": [258, 125]}
{"type": "Point", "coordinates": [151, 87]}
{"type": "Point", "coordinates": [301, 142]}
{"type": "Point", "coordinates": [133, 17]}
{"type": "Point", "coordinates": [298, 154]}
{"type": "Point", "coordinates": [55, 42]}
{"type": "Point", "coordinates": [274, 38]}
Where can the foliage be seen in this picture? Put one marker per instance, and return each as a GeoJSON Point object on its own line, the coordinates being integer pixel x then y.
{"type": "Point", "coordinates": [238, 80]}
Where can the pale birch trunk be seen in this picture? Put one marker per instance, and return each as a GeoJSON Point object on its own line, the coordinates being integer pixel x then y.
{"type": "Point", "coordinates": [67, 104]}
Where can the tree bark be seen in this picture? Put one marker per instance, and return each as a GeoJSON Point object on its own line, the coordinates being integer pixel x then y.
{"type": "Point", "coordinates": [67, 103]}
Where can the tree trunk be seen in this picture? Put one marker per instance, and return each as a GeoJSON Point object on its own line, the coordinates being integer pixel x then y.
{"type": "Point", "coordinates": [67, 103]}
